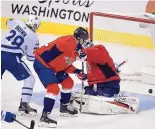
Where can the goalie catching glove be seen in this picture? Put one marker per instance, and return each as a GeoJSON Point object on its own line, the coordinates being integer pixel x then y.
{"type": "Point", "coordinates": [82, 76]}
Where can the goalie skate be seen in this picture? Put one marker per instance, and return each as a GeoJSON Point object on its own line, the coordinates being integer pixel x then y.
{"type": "Point", "coordinates": [25, 109]}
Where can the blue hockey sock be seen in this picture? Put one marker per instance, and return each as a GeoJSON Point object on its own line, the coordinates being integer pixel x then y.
{"type": "Point", "coordinates": [65, 98]}
{"type": "Point", "coordinates": [48, 104]}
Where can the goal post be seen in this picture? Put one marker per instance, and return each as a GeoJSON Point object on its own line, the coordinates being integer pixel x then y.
{"type": "Point", "coordinates": [121, 29]}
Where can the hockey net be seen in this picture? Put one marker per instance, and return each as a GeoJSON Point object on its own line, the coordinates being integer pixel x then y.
{"type": "Point", "coordinates": [133, 32]}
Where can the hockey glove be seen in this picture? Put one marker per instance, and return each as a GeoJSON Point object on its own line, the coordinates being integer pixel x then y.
{"type": "Point", "coordinates": [82, 76]}
{"type": "Point", "coordinates": [7, 116]}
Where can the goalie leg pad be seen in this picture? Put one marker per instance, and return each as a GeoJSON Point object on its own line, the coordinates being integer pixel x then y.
{"type": "Point", "coordinates": [102, 105]}
{"type": "Point", "coordinates": [120, 105]}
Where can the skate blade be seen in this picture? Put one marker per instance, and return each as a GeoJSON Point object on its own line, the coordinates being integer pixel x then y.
{"type": "Point", "coordinates": [22, 113]}
{"type": "Point", "coordinates": [47, 125]}
{"type": "Point", "coordinates": [68, 115]}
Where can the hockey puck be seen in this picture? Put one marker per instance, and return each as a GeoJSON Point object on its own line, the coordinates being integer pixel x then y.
{"type": "Point", "coordinates": [150, 91]}
{"type": "Point", "coordinates": [32, 124]}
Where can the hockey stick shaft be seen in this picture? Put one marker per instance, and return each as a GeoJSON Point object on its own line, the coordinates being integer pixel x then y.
{"type": "Point", "coordinates": [82, 88]}
{"type": "Point", "coordinates": [31, 124]}
{"type": "Point", "coordinates": [22, 124]}
{"type": "Point", "coordinates": [125, 74]}
{"type": "Point", "coordinates": [122, 63]}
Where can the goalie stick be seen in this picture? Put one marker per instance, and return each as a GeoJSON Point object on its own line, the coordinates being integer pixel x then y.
{"type": "Point", "coordinates": [32, 124]}
{"type": "Point", "coordinates": [122, 63]}
{"type": "Point", "coordinates": [125, 74]}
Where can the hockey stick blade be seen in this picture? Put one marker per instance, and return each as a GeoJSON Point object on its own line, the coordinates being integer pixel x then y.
{"type": "Point", "coordinates": [32, 124]}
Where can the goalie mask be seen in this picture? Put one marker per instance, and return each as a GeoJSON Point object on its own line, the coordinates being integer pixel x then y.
{"type": "Point", "coordinates": [87, 44]}
{"type": "Point", "coordinates": [33, 23]}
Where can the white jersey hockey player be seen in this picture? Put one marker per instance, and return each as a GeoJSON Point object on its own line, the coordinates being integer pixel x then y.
{"type": "Point", "coordinates": [20, 41]}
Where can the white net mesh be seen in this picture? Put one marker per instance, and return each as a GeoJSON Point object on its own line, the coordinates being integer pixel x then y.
{"type": "Point", "coordinates": [132, 33]}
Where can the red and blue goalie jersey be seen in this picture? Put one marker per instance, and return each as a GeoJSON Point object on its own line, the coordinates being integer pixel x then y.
{"type": "Point", "coordinates": [100, 66]}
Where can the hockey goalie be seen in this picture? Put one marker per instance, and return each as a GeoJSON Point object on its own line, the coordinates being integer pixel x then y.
{"type": "Point", "coordinates": [101, 96]}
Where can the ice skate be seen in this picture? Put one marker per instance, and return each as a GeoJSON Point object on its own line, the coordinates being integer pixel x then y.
{"type": "Point", "coordinates": [46, 122]}
{"type": "Point", "coordinates": [25, 109]}
{"type": "Point", "coordinates": [67, 110]}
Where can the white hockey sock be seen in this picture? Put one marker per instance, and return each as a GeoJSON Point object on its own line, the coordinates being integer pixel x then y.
{"type": "Point", "coordinates": [27, 89]}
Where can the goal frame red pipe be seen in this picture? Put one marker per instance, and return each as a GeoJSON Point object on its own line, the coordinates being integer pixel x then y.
{"type": "Point", "coordinates": [116, 16]}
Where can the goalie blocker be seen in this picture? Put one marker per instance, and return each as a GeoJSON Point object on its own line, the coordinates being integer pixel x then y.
{"type": "Point", "coordinates": [103, 105]}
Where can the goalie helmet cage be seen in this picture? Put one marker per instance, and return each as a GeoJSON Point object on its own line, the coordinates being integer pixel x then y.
{"type": "Point", "coordinates": [116, 23]}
